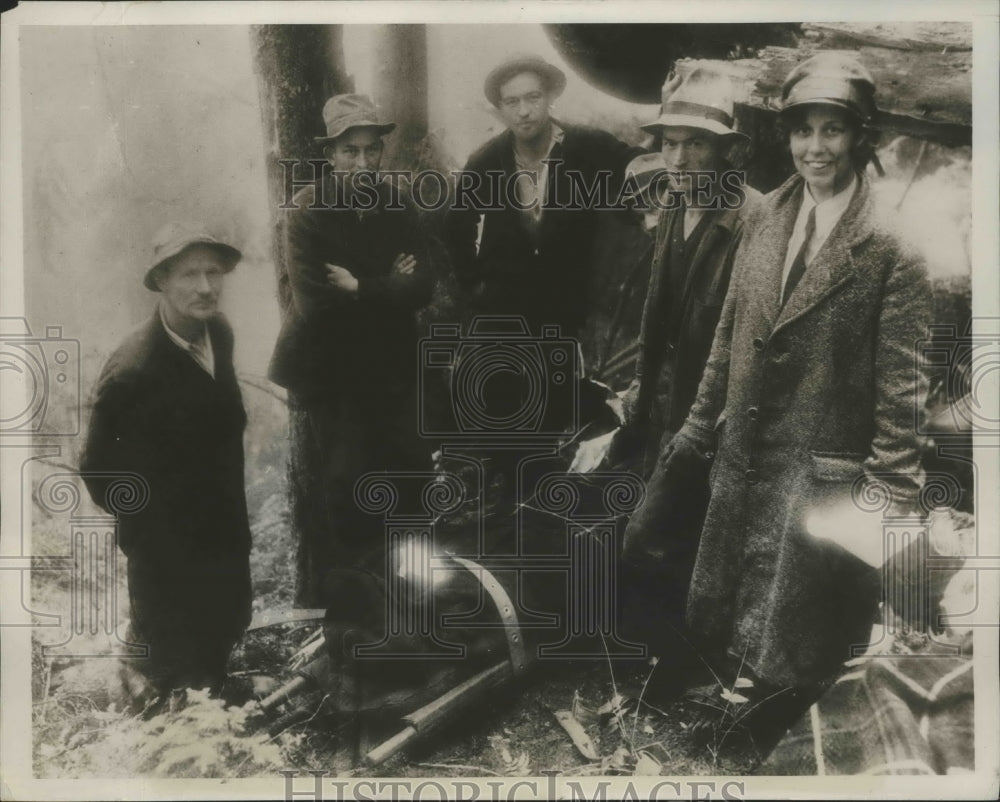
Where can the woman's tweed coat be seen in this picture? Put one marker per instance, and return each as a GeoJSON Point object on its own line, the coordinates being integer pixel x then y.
{"type": "Point", "coordinates": [804, 399]}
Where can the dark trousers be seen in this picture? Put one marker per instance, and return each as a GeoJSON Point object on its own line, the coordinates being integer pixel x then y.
{"type": "Point", "coordinates": [661, 543]}
{"type": "Point", "coordinates": [334, 443]}
{"type": "Point", "coordinates": [190, 612]}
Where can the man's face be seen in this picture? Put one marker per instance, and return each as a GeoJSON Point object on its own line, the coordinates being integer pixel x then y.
{"type": "Point", "coordinates": [192, 283]}
{"type": "Point", "coordinates": [689, 149]}
{"type": "Point", "coordinates": [822, 140]}
{"type": "Point", "coordinates": [524, 105]}
{"type": "Point", "coordinates": [357, 150]}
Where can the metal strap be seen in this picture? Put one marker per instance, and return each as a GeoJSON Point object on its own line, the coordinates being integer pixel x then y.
{"type": "Point", "coordinates": [505, 607]}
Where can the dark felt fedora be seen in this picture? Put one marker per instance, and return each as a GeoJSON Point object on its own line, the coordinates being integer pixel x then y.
{"type": "Point", "coordinates": [553, 78]}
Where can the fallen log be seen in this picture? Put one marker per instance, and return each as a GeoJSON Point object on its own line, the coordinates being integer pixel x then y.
{"type": "Point", "coordinates": [923, 81]}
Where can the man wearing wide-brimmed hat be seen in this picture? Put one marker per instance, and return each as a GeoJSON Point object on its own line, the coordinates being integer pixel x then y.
{"type": "Point", "coordinates": [357, 272]}
{"type": "Point", "coordinates": [167, 409]}
{"type": "Point", "coordinates": [699, 228]}
{"type": "Point", "coordinates": [703, 206]}
{"type": "Point", "coordinates": [533, 258]}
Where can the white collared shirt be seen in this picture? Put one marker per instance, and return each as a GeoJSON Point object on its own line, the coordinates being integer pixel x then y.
{"type": "Point", "coordinates": [531, 195]}
{"type": "Point", "coordinates": [200, 352]}
{"type": "Point", "coordinates": [828, 213]}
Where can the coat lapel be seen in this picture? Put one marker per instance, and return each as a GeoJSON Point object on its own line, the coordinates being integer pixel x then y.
{"type": "Point", "coordinates": [183, 365]}
{"type": "Point", "coordinates": [768, 256]}
{"type": "Point", "coordinates": [720, 225]}
{"type": "Point", "coordinates": [833, 264]}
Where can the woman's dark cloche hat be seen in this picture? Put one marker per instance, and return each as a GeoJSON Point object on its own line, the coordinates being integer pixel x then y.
{"type": "Point", "coordinates": [553, 78]}
{"type": "Point", "coordinates": [832, 79]}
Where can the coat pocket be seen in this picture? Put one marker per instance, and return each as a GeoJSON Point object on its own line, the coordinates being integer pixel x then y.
{"type": "Point", "coordinates": [828, 466]}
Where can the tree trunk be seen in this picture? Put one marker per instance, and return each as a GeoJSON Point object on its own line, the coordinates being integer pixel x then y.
{"type": "Point", "coordinates": [298, 67]}
{"type": "Point", "coordinates": [401, 92]}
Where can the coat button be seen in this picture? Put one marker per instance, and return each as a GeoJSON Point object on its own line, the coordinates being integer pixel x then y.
{"type": "Point", "coordinates": [752, 413]}
{"type": "Point", "coordinates": [753, 476]}
{"type": "Point", "coordinates": [758, 344]}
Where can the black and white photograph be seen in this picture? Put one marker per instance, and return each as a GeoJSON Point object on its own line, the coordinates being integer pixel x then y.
{"type": "Point", "coordinates": [499, 401]}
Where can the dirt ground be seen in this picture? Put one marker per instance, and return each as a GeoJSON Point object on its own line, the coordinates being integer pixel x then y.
{"type": "Point", "coordinates": [515, 731]}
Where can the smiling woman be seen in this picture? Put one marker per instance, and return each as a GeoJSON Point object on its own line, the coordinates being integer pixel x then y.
{"type": "Point", "coordinates": [807, 399]}
{"type": "Point", "coordinates": [823, 141]}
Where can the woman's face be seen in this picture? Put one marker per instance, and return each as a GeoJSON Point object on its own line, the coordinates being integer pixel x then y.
{"type": "Point", "coordinates": [822, 141]}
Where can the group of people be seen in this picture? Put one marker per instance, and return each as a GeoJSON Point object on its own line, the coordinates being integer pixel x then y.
{"type": "Point", "coordinates": [775, 369]}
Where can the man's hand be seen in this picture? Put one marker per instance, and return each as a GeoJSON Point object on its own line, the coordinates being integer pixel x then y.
{"type": "Point", "coordinates": [342, 279]}
{"type": "Point", "coordinates": [404, 264]}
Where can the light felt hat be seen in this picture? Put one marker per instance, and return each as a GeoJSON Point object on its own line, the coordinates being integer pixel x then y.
{"type": "Point", "coordinates": [343, 112]}
{"type": "Point", "coordinates": [702, 100]}
{"type": "Point", "coordinates": [175, 238]}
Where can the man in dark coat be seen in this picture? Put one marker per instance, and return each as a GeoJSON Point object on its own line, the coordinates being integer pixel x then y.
{"type": "Point", "coordinates": [697, 235]}
{"type": "Point", "coordinates": [534, 255]}
{"type": "Point", "coordinates": [168, 409]}
{"type": "Point", "coordinates": [358, 271]}
{"type": "Point", "coordinates": [704, 203]}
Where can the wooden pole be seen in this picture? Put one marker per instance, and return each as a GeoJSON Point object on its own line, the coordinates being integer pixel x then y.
{"type": "Point", "coordinates": [433, 714]}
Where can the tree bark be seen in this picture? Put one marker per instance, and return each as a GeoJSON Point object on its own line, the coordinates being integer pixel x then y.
{"type": "Point", "coordinates": [298, 68]}
{"type": "Point", "coordinates": [401, 91]}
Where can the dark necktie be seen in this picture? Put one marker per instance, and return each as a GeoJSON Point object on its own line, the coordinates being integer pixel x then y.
{"type": "Point", "coordinates": [799, 264]}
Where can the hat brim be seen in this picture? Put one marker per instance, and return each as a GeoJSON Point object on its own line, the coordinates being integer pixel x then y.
{"type": "Point", "coordinates": [555, 79]}
{"type": "Point", "coordinates": [231, 254]}
{"type": "Point", "coordinates": [824, 101]}
{"type": "Point", "coordinates": [382, 128]}
{"type": "Point", "coordinates": [690, 121]}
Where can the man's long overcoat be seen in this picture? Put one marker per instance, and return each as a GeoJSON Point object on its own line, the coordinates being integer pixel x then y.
{"type": "Point", "coordinates": [807, 401]}
{"type": "Point", "coordinates": [158, 414]}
